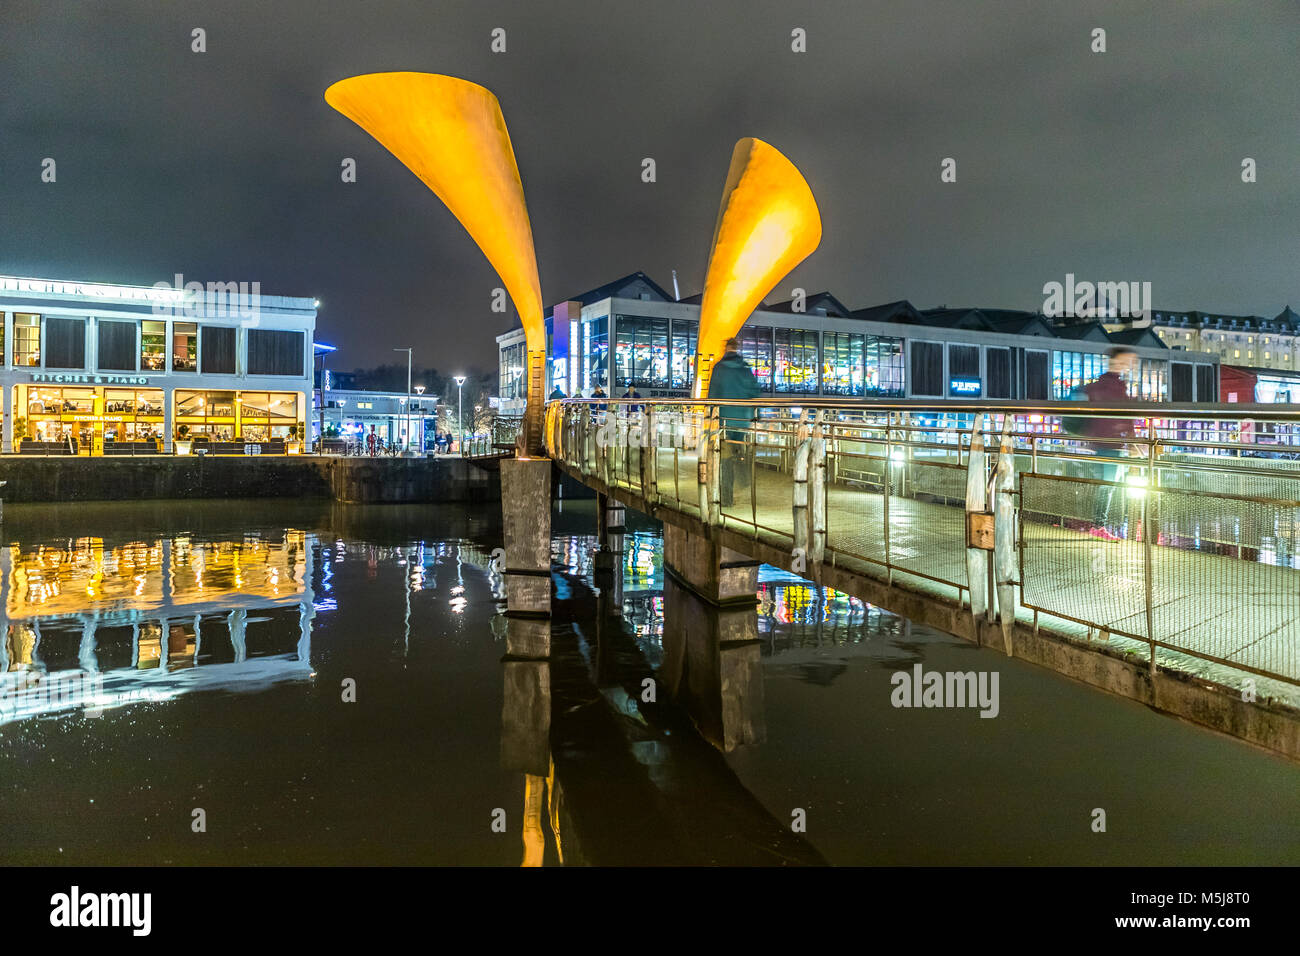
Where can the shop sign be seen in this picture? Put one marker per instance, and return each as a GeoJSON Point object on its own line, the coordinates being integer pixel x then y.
{"type": "Point", "coordinates": [964, 386]}
{"type": "Point", "coordinates": [95, 418]}
{"type": "Point", "coordinates": [87, 378]}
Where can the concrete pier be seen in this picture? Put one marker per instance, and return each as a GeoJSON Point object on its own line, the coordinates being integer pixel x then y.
{"type": "Point", "coordinates": [715, 573]}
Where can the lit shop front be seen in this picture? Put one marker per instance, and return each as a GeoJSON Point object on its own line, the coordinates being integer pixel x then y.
{"type": "Point", "coordinates": [232, 416]}
{"type": "Point", "coordinates": [88, 416]}
{"type": "Point", "coordinates": [129, 415]}
{"type": "Point", "coordinates": [175, 368]}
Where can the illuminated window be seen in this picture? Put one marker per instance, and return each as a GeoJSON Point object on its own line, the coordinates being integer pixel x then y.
{"type": "Point", "coordinates": [1267, 356]}
{"type": "Point", "coordinates": [27, 339]}
{"type": "Point", "coordinates": [1236, 353]}
{"type": "Point", "coordinates": [185, 346]}
{"type": "Point", "coordinates": [153, 346]}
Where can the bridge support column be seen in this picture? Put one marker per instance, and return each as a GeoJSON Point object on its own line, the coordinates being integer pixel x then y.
{"type": "Point", "coordinates": [717, 574]}
{"type": "Point", "coordinates": [526, 669]}
{"type": "Point", "coordinates": [526, 510]}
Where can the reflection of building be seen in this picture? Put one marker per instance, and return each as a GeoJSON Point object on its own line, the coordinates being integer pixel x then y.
{"type": "Point", "coordinates": [632, 333]}
{"type": "Point", "coordinates": [93, 621]}
{"type": "Point", "coordinates": [92, 367]}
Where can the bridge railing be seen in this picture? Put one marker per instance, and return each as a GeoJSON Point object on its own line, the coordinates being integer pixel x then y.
{"type": "Point", "coordinates": [1177, 539]}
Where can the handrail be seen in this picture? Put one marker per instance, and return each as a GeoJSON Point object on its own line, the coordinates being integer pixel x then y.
{"type": "Point", "coordinates": [1202, 536]}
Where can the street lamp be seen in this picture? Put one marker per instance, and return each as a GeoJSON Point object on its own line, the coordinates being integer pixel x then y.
{"type": "Point", "coordinates": [460, 429]}
{"type": "Point", "coordinates": [408, 395]}
{"type": "Point", "coordinates": [419, 390]}
{"type": "Point", "coordinates": [343, 424]}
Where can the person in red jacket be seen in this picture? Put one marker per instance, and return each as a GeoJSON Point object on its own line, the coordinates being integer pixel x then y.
{"type": "Point", "coordinates": [1110, 435]}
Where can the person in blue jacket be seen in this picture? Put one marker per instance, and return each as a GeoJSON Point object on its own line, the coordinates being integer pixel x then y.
{"type": "Point", "coordinates": [732, 378]}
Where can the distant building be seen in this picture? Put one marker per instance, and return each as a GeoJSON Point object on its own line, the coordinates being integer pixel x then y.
{"type": "Point", "coordinates": [1246, 340]}
{"type": "Point", "coordinates": [353, 412]}
{"type": "Point", "coordinates": [630, 332]}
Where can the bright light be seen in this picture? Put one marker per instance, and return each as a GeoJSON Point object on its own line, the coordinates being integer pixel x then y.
{"type": "Point", "coordinates": [1137, 485]}
{"type": "Point", "coordinates": [896, 456]}
{"type": "Point", "coordinates": [459, 380]}
{"type": "Point", "coordinates": [316, 303]}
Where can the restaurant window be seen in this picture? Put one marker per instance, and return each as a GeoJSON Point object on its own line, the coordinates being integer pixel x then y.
{"type": "Point", "coordinates": [883, 366]}
{"type": "Point", "coordinates": [596, 343]}
{"type": "Point", "coordinates": [153, 346]}
{"type": "Point", "coordinates": [185, 347]}
{"type": "Point", "coordinates": [682, 362]}
{"type": "Point", "coordinates": [116, 350]}
{"type": "Point", "coordinates": [756, 349]}
{"type": "Point", "coordinates": [265, 415]}
{"type": "Point", "coordinates": [66, 343]}
{"type": "Point", "coordinates": [927, 368]}
{"type": "Point", "coordinates": [641, 352]}
{"type": "Point", "coordinates": [275, 352]}
{"type": "Point", "coordinates": [205, 413]}
{"type": "Point", "coordinates": [27, 339]}
{"type": "Point", "coordinates": [217, 350]}
{"type": "Point", "coordinates": [997, 363]}
{"type": "Point", "coordinates": [842, 363]}
{"type": "Point", "coordinates": [796, 361]}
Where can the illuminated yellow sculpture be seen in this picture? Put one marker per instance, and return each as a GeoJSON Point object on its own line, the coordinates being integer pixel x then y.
{"type": "Point", "coordinates": [767, 225]}
{"type": "Point", "coordinates": [451, 134]}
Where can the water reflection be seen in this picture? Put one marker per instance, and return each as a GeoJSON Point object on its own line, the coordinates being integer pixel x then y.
{"type": "Point", "coordinates": [91, 624]}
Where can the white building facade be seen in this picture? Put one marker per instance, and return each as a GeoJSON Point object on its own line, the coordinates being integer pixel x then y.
{"type": "Point", "coordinates": [93, 367]}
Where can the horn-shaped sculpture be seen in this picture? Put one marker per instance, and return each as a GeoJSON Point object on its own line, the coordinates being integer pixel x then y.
{"type": "Point", "coordinates": [451, 134]}
{"type": "Point", "coordinates": [767, 225]}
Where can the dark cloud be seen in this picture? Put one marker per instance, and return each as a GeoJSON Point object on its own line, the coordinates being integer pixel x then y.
{"type": "Point", "coordinates": [225, 165]}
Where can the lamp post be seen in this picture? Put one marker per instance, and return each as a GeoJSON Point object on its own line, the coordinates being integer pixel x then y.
{"type": "Point", "coordinates": [343, 424]}
{"type": "Point", "coordinates": [460, 428]}
{"type": "Point", "coordinates": [419, 390]}
{"type": "Point", "coordinates": [408, 395]}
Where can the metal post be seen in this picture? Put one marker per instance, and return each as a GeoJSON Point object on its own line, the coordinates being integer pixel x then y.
{"type": "Point", "coordinates": [1147, 544]}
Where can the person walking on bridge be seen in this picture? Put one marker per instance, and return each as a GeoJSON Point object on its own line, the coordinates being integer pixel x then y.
{"type": "Point", "coordinates": [732, 378]}
{"type": "Point", "coordinates": [1108, 437]}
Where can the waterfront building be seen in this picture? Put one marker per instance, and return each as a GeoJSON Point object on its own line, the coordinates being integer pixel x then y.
{"type": "Point", "coordinates": [630, 332]}
{"type": "Point", "coordinates": [350, 414]}
{"type": "Point", "coordinates": [92, 368]}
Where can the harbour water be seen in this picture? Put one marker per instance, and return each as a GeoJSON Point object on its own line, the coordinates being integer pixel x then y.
{"type": "Point", "coordinates": [272, 683]}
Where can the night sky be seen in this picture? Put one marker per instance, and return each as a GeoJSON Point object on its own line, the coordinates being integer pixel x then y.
{"type": "Point", "coordinates": [225, 165]}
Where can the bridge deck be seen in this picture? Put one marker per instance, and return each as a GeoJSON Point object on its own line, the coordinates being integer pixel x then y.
{"type": "Point", "coordinates": [1218, 612]}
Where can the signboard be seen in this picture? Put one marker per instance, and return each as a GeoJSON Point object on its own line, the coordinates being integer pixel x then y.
{"type": "Point", "coordinates": [87, 378]}
{"type": "Point", "coordinates": [964, 386]}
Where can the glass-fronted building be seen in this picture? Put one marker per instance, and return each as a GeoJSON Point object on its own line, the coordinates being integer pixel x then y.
{"type": "Point", "coordinates": [91, 368]}
{"type": "Point", "coordinates": [631, 333]}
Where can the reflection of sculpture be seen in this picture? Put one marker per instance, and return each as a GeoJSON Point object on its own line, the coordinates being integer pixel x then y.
{"type": "Point", "coordinates": [451, 134]}
{"type": "Point", "coordinates": [767, 225]}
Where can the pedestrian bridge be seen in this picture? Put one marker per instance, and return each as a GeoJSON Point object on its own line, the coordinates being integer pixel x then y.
{"type": "Point", "coordinates": [1164, 569]}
